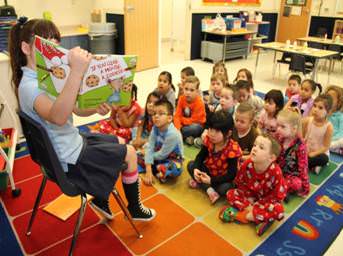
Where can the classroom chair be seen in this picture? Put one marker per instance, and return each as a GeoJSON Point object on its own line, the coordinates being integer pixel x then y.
{"type": "Point", "coordinates": [43, 153]}
{"type": "Point", "coordinates": [298, 64]}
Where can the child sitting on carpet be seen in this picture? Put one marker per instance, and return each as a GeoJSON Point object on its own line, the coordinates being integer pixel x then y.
{"type": "Point", "coordinates": [165, 87]}
{"type": "Point", "coordinates": [228, 101]}
{"type": "Point", "coordinates": [163, 154]}
{"type": "Point", "coordinates": [141, 133]}
{"type": "Point", "coordinates": [260, 188]}
{"type": "Point", "coordinates": [215, 166]}
{"type": "Point", "coordinates": [304, 101]}
{"type": "Point", "coordinates": [245, 95]}
{"type": "Point", "coordinates": [317, 131]}
{"type": "Point", "coordinates": [217, 84]}
{"type": "Point", "coordinates": [293, 157]}
{"type": "Point", "coordinates": [92, 162]}
{"type": "Point", "coordinates": [293, 86]}
{"type": "Point", "coordinates": [219, 68]}
{"type": "Point", "coordinates": [190, 114]}
{"type": "Point", "coordinates": [273, 103]}
{"type": "Point", "coordinates": [245, 75]}
{"type": "Point", "coordinates": [122, 119]}
{"type": "Point", "coordinates": [245, 131]}
{"type": "Point", "coordinates": [185, 72]}
{"type": "Point", "coordinates": [336, 118]}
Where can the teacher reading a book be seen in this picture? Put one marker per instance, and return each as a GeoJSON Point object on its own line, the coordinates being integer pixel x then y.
{"type": "Point", "coordinates": [92, 162]}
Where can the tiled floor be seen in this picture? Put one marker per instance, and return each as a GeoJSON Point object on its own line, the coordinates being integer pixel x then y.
{"type": "Point", "coordinates": [173, 62]}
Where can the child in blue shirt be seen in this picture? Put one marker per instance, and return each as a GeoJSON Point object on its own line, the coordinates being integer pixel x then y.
{"type": "Point", "coordinates": [92, 162]}
{"type": "Point", "coordinates": [163, 154]}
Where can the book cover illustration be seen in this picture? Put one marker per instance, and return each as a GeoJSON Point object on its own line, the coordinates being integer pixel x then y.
{"type": "Point", "coordinates": [108, 78]}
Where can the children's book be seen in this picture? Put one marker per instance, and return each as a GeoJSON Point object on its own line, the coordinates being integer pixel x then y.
{"type": "Point", "coordinates": [108, 78]}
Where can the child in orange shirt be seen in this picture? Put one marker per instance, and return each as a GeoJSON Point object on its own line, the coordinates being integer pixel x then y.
{"type": "Point", "coordinates": [190, 114]}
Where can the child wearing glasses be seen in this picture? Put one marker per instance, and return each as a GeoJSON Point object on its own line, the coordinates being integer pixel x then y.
{"type": "Point", "coordinates": [163, 154]}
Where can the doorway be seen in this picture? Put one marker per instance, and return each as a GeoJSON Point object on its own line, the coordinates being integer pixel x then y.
{"type": "Point", "coordinates": [293, 21]}
{"type": "Point", "coordinates": [141, 31]}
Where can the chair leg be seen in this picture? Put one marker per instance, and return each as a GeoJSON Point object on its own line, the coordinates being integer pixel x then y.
{"type": "Point", "coordinates": [78, 223]}
{"type": "Point", "coordinates": [126, 211]}
{"type": "Point", "coordinates": [35, 207]}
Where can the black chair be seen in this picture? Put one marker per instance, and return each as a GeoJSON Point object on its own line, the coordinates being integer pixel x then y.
{"type": "Point", "coordinates": [285, 59]}
{"type": "Point", "coordinates": [43, 153]}
{"type": "Point", "coordinates": [338, 57]}
{"type": "Point", "coordinates": [316, 45]}
{"type": "Point", "coordinates": [298, 64]}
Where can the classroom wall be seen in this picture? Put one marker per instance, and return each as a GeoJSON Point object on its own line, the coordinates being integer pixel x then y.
{"type": "Point", "coordinates": [64, 12]}
{"type": "Point", "coordinates": [329, 8]}
{"type": "Point", "coordinates": [110, 6]}
{"type": "Point", "coordinates": [166, 19]}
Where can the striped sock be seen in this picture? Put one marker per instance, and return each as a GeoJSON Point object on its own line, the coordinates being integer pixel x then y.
{"type": "Point", "coordinates": [129, 177]}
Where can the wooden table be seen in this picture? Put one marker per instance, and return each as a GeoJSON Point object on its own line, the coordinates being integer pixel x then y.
{"type": "Point", "coordinates": [226, 34]}
{"type": "Point", "coordinates": [320, 40]}
{"type": "Point", "coordinates": [310, 52]}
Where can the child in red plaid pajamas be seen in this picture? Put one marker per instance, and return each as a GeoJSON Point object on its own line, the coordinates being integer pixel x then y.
{"type": "Point", "coordinates": [260, 188]}
{"type": "Point", "coordinates": [122, 119]}
{"type": "Point", "coordinates": [293, 157]}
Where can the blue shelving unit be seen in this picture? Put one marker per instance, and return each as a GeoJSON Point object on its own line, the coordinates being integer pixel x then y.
{"type": "Point", "coordinates": [6, 24]}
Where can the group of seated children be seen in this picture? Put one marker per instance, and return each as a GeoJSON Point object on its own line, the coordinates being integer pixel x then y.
{"type": "Point", "coordinates": [253, 152]}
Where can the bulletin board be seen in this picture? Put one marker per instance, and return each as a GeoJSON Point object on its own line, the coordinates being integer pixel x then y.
{"type": "Point", "coordinates": [232, 2]}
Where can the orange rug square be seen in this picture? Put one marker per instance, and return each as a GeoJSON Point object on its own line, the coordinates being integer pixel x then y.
{"type": "Point", "coordinates": [146, 191]}
{"type": "Point", "coordinates": [205, 243]}
{"type": "Point", "coordinates": [170, 219]}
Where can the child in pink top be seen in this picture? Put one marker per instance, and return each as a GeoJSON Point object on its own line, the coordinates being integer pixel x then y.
{"type": "Point", "coordinates": [304, 101]}
{"type": "Point", "coordinates": [273, 103]}
{"type": "Point", "coordinates": [317, 131]}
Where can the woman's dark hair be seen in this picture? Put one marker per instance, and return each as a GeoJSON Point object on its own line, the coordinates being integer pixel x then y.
{"type": "Point", "coordinates": [327, 101]}
{"type": "Point", "coordinates": [146, 115]}
{"type": "Point", "coordinates": [169, 77]}
{"type": "Point", "coordinates": [221, 121]}
{"type": "Point", "coordinates": [188, 71]}
{"type": "Point", "coordinates": [24, 31]}
{"type": "Point", "coordinates": [313, 85]}
{"type": "Point", "coordinates": [277, 97]}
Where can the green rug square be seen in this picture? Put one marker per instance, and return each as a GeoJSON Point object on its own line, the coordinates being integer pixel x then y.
{"type": "Point", "coordinates": [294, 201]}
{"type": "Point", "coordinates": [325, 172]}
{"type": "Point", "coordinates": [190, 152]}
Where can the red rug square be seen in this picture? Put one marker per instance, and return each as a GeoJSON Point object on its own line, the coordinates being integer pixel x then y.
{"type": "Point", "coordinates": [98, 240]}
{"type": "Point", "coordinates": [47, 229]}
{"type": "Point", "coordinates": [24, 168]}
{"type": "Point", "coordinates": [29, 191]}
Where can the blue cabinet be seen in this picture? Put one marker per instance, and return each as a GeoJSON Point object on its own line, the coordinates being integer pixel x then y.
{"type": "Point", "coordinates": [263, 30]}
